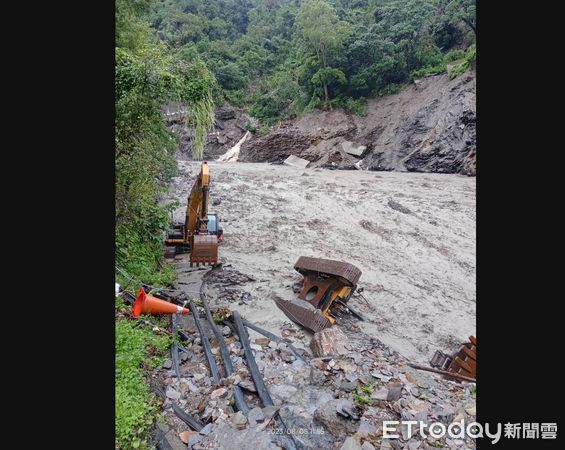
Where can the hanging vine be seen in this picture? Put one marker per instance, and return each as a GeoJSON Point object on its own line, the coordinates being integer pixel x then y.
{"type": "Point", "coordinates": [200, 116]}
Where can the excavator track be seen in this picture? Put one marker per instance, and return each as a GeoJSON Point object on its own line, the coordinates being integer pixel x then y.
{"type": "Point", "coordinates": [347, 272]}
{"type": "Point", "coordinates": [303, 313]}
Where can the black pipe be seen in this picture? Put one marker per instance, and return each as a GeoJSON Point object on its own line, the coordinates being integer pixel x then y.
{"type": "Point", "coordinates": [251, 364]}
{"type": "Point", "coordinates": [164, 296]}
{"type": "Point", "coordinates": [128, 297]}
{"type": "Point", "coordinates": [184, 336]}
{"type": "Point", "coordinates": [174, 349]}
{"type": "Point", "coordinates": [190, 421]}
{"type": "Point", "coordinates": [351, 310]}
{"type": "Point", "coordinates": [225, 354]}
{"type": "Point", "coordinates": [262, 390]}
{"type": "Point", "coordinates": [184, 349]}
{"type": "Point", "coordinates": [355, 313]}
{"type": "Point", "coordinates": [273, 337]}
{"type": "Point", "coordinates": [175, 355]}
{"type": "Point", "coordinates": [206, 344]}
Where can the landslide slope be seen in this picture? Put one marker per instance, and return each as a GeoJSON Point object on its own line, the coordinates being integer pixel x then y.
{"type": "Point", "coordinates": [430, 126]}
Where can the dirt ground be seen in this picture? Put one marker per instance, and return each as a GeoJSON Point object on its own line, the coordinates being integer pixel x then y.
{"type": "Point", "coordinates": [411, 234]}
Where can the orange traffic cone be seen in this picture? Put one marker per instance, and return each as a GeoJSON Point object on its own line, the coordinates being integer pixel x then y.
{"type": "Point", "coordinates": [145, 303]}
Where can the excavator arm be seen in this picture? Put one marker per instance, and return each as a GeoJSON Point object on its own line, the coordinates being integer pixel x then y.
{"type": "Point", "coordinates": [201, 242]}
{"type": "Point", "coordinates": [197, 205]}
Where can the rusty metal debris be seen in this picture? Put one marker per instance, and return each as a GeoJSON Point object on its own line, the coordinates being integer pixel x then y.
{"type": "Point", "coordinates": [462, 362]}
{"type": "Point", "coordinates": [305, 315]}
{"type": "Point", "coordinates": [443, 372]}
{"type": "Point", "coordinates": [326, 288]}
{"type": "Point", "coordinates": [347, 272]}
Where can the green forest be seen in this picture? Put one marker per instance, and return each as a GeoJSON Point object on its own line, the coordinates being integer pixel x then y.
{"type": "Point", "coordinates": [275, 58]}
{"type": "Point", "coordinates": [279, 58]}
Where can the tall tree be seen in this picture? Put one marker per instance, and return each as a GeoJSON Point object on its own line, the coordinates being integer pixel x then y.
{"type": "Point", "coordinates": [323, 32]}
{"type": "Point", "coordinates": [463, 11]}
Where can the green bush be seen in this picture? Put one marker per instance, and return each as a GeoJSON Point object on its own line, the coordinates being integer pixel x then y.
{"type": "Point", "coordinates": [275, 98]}
{"type": "Point", "coordinates": [231, 76]}
{"type": "Point", "coordinates": [137, 349]}
{"type": "Point", "coordinates": [430, 70]}
{"type": "Point", "coordinates": [235, 97]}
{"type": "Point", "coordinates": [355, 105]}
{"type": "Point", "coordinates": [139, 244]}
{"type": "Point", "coordinates": [466, 64]}
{"type": "Point", "coordinates": [263, 129]}
{"type": "Point", "coordinates": [390, 89]}
{"type": "Point", "coordinates": [454, 55]}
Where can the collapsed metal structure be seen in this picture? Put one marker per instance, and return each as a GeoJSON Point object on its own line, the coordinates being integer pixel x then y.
{"type": "Point", "coordinates": [326, 288]}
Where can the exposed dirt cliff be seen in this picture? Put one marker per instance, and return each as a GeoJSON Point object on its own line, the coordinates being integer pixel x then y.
{"type": "Point", "coordinates": [430, 126]}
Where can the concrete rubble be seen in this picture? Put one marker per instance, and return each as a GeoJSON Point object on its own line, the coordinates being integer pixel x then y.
{"type": "Point", "coordinates": [353, 148]}
{"type": "Point", "coordinates": [295, 161]}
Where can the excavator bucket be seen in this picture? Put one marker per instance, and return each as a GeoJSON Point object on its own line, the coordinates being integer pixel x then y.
{"type": "Point", "coordinates": [327, 284]}
{"type": "Point", "coordinates": [204, 250]}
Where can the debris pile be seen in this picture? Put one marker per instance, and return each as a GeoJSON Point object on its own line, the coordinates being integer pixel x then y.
{"type": "Point", "coordinates": [228, 281]}
{"type": "Point", "coordinates": [336, 402]}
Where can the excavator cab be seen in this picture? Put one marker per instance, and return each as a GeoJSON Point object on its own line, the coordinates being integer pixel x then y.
{"type": "Point", "coordinates": [214, 226]}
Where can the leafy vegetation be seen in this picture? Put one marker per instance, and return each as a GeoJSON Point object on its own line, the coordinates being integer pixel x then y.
{"type": "Point", "coordinates": [147, 75]}
{"type": "Point", "coordinates": [362, 393]}
{"type": "Point", "coordinates": [468, 62]}
{"type": "Point", "coordinates": [279, 58]}
{"type": "Point", "coordinates": [136, 348]}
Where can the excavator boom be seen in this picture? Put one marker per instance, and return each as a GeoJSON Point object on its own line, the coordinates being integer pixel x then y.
{"type": "Point", "coordinates": [200, 232]}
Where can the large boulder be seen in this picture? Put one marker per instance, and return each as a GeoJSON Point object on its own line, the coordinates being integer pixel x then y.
{"type": "Point", "coordinates": [335, 424]}
{"type": "Point", "coordinates": [329, 342]}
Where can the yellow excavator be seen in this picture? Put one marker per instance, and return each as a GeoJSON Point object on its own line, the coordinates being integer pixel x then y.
{"type": "Point", "coordinates": [200, 233]}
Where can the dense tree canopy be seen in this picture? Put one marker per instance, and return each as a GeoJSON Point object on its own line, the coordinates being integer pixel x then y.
{"type": "Point", "coordinates": [282, 57]}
